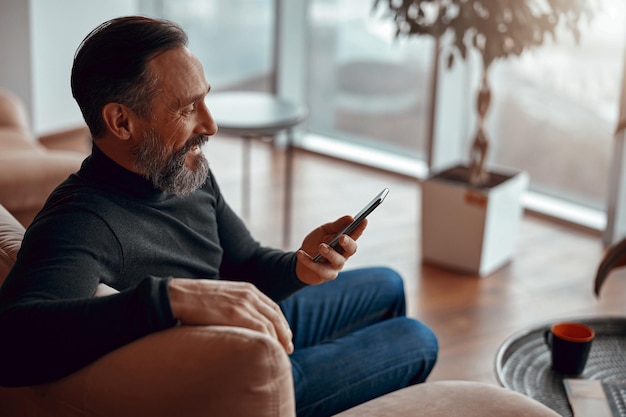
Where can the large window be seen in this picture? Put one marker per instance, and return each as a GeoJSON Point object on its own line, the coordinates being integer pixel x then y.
{"type": "Point", "coordinates": [554, 111]}
{"type": "Point", "coordinates": [365, 86]}
{"type": "Point", "coordinates": [233, 39]}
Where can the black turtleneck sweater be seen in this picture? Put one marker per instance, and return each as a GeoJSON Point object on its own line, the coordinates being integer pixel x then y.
{"type": "Point", "coordinates": [105, 224]}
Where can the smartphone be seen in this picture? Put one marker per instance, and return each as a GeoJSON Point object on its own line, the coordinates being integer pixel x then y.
{"type": "Point", "coordinates": [361, 215]}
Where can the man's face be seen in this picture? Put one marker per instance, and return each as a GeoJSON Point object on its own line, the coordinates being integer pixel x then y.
{"type": "Point", "coordinates": [169, 150]}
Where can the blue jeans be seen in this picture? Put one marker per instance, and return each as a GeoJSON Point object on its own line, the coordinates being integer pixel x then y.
{"type": "Point", "coordinates": [353, 341]}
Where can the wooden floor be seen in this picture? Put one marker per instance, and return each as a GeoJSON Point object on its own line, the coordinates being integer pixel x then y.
{"type": "Point", "coordinates": [549, 279]}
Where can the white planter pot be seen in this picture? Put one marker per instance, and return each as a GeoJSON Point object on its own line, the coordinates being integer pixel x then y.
{"type": "Point", "coordinates": [472, 230]}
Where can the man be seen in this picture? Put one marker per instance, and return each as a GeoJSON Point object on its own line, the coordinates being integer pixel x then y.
{"type": "Point", "coordinates": [145, 216]}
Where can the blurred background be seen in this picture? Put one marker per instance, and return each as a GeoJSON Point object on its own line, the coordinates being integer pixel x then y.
{"type": "Point", "coordinates": [553, 114]}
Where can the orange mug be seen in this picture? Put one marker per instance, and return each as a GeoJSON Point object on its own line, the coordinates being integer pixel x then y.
{"type": "Point", "coordinates": [569, 344]}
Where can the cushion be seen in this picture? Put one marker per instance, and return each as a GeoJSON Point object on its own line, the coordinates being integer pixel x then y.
{"type": "Point", "coordinates": [451, 399]}
{"type": "Point", "coordinates": [11, 234]}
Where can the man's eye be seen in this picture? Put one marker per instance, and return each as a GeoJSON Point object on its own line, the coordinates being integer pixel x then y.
{"type": "Point", "coordinates": [188, 110]}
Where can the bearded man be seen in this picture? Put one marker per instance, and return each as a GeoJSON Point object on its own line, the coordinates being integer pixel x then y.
{"type": "Point", "coordinates": [145, 216]}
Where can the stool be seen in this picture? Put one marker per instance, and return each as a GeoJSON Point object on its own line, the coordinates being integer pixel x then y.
{"type": "Point", "coordinates": [258, 115]}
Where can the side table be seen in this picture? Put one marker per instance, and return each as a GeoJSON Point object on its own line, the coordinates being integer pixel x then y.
{"type": "Point", "coordinates": [523, 363]}
{"type": "Point", "coordinates": [254, 115]}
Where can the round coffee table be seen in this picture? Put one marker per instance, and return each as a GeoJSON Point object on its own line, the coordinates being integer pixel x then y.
{"type": "Point", "coordinates": [523, 363]}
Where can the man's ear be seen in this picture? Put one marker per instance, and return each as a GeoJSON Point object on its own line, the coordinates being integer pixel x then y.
{"type": "Point", "coordinates": [117, 118]}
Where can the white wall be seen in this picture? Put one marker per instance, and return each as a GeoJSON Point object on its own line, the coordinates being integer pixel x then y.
{"type": "Point", "coordinates": [43, 37]}
{"type": "Point", "coordinates": [15, 40]}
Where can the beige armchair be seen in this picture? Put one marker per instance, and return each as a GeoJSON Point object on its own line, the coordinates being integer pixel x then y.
{"type": "Point", "coordinates": [202, 371]}
{"type": "Point", "coordinates": [31, 167]}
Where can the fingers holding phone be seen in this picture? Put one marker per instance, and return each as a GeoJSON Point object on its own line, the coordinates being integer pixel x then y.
{"type": "Point", "coordinates": [351, 228]}
{"type": "Point", "coordinates": [331, 260]}
{"type": "Point", "coordinates": [339, 243]}
{"type": "Point", "coordinates": [324, 234]}
{"type": "Point", "coordinates": [342, 246]}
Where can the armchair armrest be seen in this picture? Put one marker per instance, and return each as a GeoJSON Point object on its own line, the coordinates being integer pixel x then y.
{"type": "Point", "coordinates": [77, 139]}
{"type": "Point", "coordinates": [188, 370]}
{"type": "Point", "coordinates": [27, 178]}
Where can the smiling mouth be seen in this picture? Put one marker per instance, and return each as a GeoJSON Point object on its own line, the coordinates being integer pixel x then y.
{"type": "Point", "coordinates": [194, 146]}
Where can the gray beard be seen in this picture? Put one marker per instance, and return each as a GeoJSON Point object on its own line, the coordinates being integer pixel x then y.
{"type": "Point", "coordinates": [168, 172]}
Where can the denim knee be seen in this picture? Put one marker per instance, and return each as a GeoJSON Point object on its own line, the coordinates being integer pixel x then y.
{"type": "Point", "coordinates": [389, 281]}
{"type": "Point", "coordinates": [390, 276]}
{"type": "Point", "coordinates": [422, 343]}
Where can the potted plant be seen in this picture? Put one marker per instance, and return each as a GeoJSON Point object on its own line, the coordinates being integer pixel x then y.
{"type": "Point", "coordinates": [494, 29]}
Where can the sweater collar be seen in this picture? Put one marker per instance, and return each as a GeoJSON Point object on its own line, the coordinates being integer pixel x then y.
{"type": "Point", "coordinates": [100, 169]}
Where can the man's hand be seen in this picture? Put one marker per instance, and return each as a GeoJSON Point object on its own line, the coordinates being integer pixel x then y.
{"type": "Point", "coordinates": [313, 273]}
{"type": "Point", "coordinates": [240, 304]}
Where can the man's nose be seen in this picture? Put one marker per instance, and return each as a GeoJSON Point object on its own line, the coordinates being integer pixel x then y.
{"type": "Point", "coordinates": [206, 123]}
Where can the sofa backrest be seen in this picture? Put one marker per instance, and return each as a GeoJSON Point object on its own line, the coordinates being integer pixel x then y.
{"type": "Point", "coordinates": [11, 235]}
{"type": "Point", "coordinates": [12, 111]}
{"type": "Point", "coordinates": [15, 132]}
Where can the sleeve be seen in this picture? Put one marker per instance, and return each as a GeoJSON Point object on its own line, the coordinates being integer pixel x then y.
{"type": "Point", "coordinates": [273, 271]}
{"type": "Point", "coordinates": [51, 325]}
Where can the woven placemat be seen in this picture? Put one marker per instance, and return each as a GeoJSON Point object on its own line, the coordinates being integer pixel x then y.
{"type": "Point", "coordinates": [523, 361]}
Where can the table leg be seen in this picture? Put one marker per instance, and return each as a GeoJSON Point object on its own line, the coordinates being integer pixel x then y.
{"type": "Point", "coordinates": [288, 190]}
{"type": "Point", "coordinates": [245, 181]}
